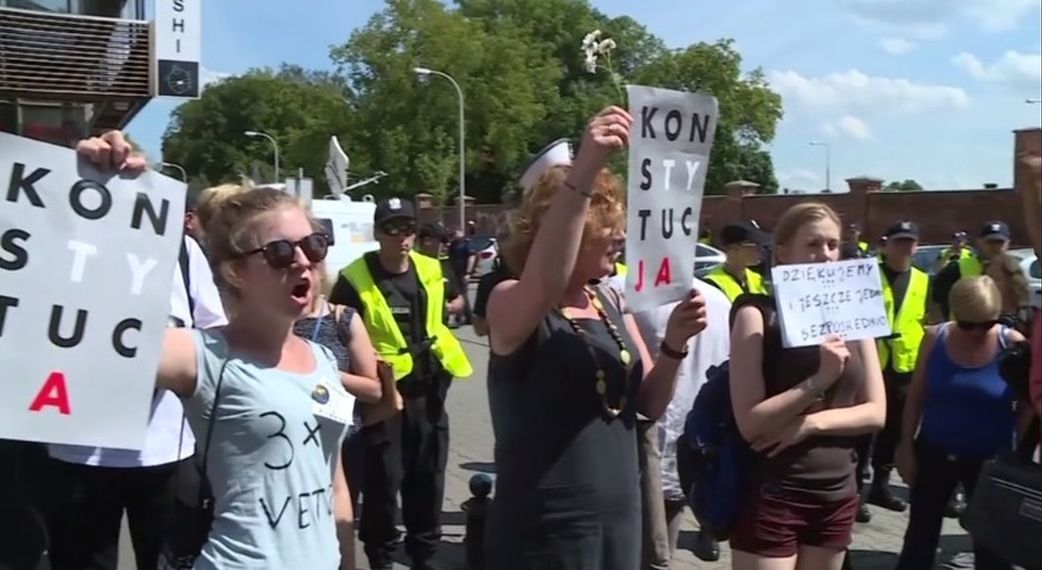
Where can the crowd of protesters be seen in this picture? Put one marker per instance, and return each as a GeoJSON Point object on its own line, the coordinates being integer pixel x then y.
{"type": "Point", "coordinates": [282, 416]}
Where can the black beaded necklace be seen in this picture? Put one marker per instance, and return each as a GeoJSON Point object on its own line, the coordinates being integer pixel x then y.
{"type": "Point", "coordinates": [624, 355]}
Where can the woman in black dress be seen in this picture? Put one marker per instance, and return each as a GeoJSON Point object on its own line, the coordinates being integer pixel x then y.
{"type": "Point", "coordinates": [568, 373]}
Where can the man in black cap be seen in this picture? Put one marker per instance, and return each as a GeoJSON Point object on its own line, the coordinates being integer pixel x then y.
{"type": "Point", "coordinates": [906, 297]}
{"type": "Point", "coordinates": [432, 240]}
{"type": "Point", "coordinates": [959, 249]}
{"type": "Point", "coordinates": [993, 241]}
{"type": "Point", "coordinates": [741, 243]}
{"type": "Point", "coordinates": [401, 296]}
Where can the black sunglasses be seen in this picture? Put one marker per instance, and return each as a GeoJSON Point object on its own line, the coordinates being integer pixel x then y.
{"type": "Point", "coordinates": [984, 326]}
{"type": "Point", "coordinates": [399, 229]}
{"type": "Point", "coordinates": [280, 254]}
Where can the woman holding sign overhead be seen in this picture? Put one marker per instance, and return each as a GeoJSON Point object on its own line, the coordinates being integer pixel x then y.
{"type": "Point", "coordinates": [569, 372]}
{"type": "Point", "coordinates": [801, 409]}
{"type": "Point", "coordinates": [269, 408]}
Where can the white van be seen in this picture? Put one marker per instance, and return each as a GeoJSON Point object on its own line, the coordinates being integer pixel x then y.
{"type": "Point", "coordinates": [350, 227]}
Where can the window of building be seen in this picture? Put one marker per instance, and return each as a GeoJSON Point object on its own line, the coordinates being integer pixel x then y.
{"type": "Point", "coordinates": [38, 5]}
{"type": "Point", "coordinates": [8, 117]}
{"type": "Point", "coordinates": [62, 125]}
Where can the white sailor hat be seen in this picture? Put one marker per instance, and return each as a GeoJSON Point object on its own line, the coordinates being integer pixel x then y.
{"type": "Point", "coordinates": [557, 153]}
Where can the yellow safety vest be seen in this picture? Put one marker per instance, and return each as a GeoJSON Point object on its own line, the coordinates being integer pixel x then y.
{"type": "Point", "coordinates": [908, 324]}
{"type": "Point", "coordinates": [731, 287]}
{"type": "Point", "coordinates": [863, 246]}
{"type": "Point", "coordinates": [970, 266]}
{"type": "Point", "coordinates": [620, 269]}
{"type": "Point", "coordinates": [383, 330]}
{"type": "Point", "coordinates": [963, 253]}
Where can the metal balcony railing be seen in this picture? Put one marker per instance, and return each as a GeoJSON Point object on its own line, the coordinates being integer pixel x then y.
{"type": "Point", "coordinates": [73, 56]}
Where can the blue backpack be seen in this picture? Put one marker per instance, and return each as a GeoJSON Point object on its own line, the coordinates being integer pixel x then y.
{"type": "Point", "coordinates": [714, 462]}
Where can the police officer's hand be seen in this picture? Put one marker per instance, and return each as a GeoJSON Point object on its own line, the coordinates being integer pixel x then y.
{"type": "Point", "coordinates": [834, 358]}
{"type": "Point", "coordinates": [111, 151]}
{"type": "Point", "coordinates": [906, 463]}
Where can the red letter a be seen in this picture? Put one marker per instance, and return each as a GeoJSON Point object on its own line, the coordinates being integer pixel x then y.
{"type": "Point", "coordinates": [663, 273]}
{"type": "Point", "coordinates": [53, 393]}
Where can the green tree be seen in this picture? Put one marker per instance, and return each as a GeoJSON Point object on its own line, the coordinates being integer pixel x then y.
{"type": "Point", "coordinates": [906, 186]}
{"type": "Point", "coordinates": [300, 109]}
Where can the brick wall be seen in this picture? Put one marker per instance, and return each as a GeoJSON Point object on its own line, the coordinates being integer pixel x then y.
{"type": "Point", "coordinates": [938, 212]}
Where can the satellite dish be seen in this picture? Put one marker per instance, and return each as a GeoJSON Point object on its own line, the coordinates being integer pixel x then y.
{"type": "Point", "coordinates": [336, 168]}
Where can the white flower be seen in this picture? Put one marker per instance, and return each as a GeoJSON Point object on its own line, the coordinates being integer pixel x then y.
{"type": "Point", "coordinates": [606, 46]}
{"type": "Point", "coordinates": [591, 62]}
{"type": "Point", "coordinates": [590, 41]}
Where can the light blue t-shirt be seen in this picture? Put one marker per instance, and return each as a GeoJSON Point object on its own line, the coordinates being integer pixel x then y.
{"type": "Point", "coordinates": [271, 461]}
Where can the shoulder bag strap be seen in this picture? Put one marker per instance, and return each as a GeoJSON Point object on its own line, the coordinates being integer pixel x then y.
{"type": "Point", "coordinates": [209, 432]}
{"type": "Point", "coordinates": [184, 261]}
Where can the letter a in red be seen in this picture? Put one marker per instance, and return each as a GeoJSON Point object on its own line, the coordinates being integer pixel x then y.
{"type": "Point", "coordinates": [663, 277]}
{"type": "Point", "coordinates": [640, 276]}
{"type": "Point", "coordinates": [53, 393]}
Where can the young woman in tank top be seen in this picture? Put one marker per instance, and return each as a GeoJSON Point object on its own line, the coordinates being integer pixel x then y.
{"type": "Point", "coordinates": [959, 413]}
{"type": "Point", "coordinates": [801, 409]}
{"type": "Point", "coordinates": [270, 407]}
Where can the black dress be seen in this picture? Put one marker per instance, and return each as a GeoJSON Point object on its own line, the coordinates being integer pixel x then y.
{"type": "Point", "coordinates": [567, 487]}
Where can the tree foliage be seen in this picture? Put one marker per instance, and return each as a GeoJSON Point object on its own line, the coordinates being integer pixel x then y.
{"type": "Point", "coordinates": [906, 186]}
{"type": "Point", "coordinates": [519, 66]}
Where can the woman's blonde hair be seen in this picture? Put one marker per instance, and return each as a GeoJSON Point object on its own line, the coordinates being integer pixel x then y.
{"type": "Point", "coordinates": [210, 201]}
{"type": "Point", "coordinates": [605, 217]}
{"type": "Point", "coordinates": [796, 217]}
{"type": "Point", "coordinates": [975, 300]}
{"type": "Point", "coordinates": [1010, 279]}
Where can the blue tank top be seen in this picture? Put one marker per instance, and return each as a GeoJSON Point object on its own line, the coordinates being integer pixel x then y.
{"type": "Point", "coordinates": [967, 411]}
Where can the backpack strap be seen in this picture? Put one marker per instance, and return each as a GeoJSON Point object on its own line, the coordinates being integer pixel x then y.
{"type": "Point", "coordinates": [185, 262]}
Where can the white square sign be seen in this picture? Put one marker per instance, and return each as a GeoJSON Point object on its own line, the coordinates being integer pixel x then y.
{"type": "Point", "coordinates": [86, 266]}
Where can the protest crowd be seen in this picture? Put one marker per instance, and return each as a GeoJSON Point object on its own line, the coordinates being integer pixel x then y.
{"type": "Point", "coordinates": [285, 420]}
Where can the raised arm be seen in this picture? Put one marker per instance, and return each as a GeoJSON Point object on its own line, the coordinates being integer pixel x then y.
{"type": "Point", "coordinates": [517, 307]}
{"type": "Point", "coordinates": [1031, 195]}
{"type": "Point", "coordinates": [759, 417]}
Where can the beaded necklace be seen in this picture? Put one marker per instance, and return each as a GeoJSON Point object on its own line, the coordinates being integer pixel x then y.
{"type": "Point", "coordinates": [624, 355]}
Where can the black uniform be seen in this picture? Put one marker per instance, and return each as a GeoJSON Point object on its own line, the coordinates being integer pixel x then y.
{"type": "Point", "coordinates": [408, 452]}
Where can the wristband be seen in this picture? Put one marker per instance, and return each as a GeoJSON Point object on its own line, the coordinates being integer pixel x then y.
{"type": "Point", "coordinates": [671, 353]}
{"type": "Point", "coordinates": [585, 193]}
{"type": "Point", "coordinates": [811, 386]}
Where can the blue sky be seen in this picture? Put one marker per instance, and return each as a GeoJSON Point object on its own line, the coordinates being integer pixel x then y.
{"type": "Point", "coordinates": [923, 89]}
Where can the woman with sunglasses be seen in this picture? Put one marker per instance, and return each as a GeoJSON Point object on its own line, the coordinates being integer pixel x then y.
{"type": "Point", "coordinates": [269, 407]}
{"type": "Point", "coordinates": [958, 414]}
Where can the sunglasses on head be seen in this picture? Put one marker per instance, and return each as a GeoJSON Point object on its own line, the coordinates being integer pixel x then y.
{"type": "Point", "coordinates": [282, 253]}
{"type": "Point", "coordinates": [983, 326]}
{"type": "Point", "coordinates": [396, 229]}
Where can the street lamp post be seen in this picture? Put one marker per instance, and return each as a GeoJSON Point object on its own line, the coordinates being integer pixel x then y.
{"type": "Point", "coordinates": [178, 167]}
{"type": "Point", "coordinates": [828, 163]}
{"type": "Point", "coordinates": [274, 144]}
{"type": "Point", "coordinates": [462, 144]}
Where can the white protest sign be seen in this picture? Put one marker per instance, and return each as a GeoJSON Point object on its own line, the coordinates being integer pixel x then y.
{"type": "Point", "coordinates": [670, 140]}
{"type": "Point", "coordinates": [86, 266]}
{"type": "Point", "coordinates": [816, 300]}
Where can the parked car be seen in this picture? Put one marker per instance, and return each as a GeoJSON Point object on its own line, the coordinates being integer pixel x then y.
{"type": "Point", "coordinates": [486, 252]}
{"type": "Point", "coordinates": [925, 258]}
{"type": "Point", "coordinates": [1030, 266]}
{"type": "Point", "coordinates": [706, 258]}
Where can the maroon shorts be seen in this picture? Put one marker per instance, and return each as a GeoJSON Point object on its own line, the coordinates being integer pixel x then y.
{"type": "Point", "coordinates": [775, 525]}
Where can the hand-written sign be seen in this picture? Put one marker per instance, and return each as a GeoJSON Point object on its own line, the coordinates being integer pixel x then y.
{"type": "Point", "coordinates": [86, 265]}
{"type": "Point", "coordinates": [817, 300]}
{"type": "Point", "coordinates": [671, 137]}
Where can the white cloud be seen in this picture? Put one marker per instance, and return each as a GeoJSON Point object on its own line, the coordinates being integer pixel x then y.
{"type": "Point", "coordinates": [850, 126]}
{"type": "Point", "coordinates": [798, 177]}
{"type": "Point", "coordinates": [1022, 70]}
{"type": "Point", "coordinates": [854, 89]}
{"type": "Point", "coordinates": [896, 46]}
{"type": "Point", "coordinates": [931, 18]}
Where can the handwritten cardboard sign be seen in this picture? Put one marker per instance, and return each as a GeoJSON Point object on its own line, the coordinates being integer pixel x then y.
{"type": "Point", "coordinates": [671, 137]}
{"type": "Point", "coordinates": [816, 300]}
{"type": "Point", "coordinates": [86, 265]}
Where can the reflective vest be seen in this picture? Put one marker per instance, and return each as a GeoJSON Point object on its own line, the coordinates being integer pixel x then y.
{"type": "Point", "coordinates": [863, 246]}
{"type": "Point", "coordinates": [383, 330]}
{"type": "Point", "coordinates": [963, 253]}
{"type": "Point", "coordinates": [908, 325]}
{"type": "Point", "coordinates": [731, 287]}
{"type": "Point", "coordinates": [621, 270]}
{"type": "Point", "coordinates": [970, 267]}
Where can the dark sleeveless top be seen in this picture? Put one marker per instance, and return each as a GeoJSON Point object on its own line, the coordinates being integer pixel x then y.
{"type": "Point", "coordinates": [334, 334]}
{"type": "Point", "coordinates": [820, 468]}
{"type": "Point", "coordinates": [563, 470]}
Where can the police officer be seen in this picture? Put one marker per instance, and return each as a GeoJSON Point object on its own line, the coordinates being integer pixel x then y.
{"type": "Point", "coordinates": [993, 241]}
{"type": "Point", "coordinates": [854, 237]}
{"type": "Point", "coordinates": [401, 296]}
{"type": "Point", "coordinates": [959, 249]}
{"type": "Point", "coordinates": [905, 296]}
{"type": "Point", "coordinates": [741, 243]}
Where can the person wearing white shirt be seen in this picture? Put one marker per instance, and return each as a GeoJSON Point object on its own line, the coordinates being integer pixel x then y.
{"type": "Point", "coordinates": [708, 349]}
{"type": "Point", "coordinates": [92, 486]}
